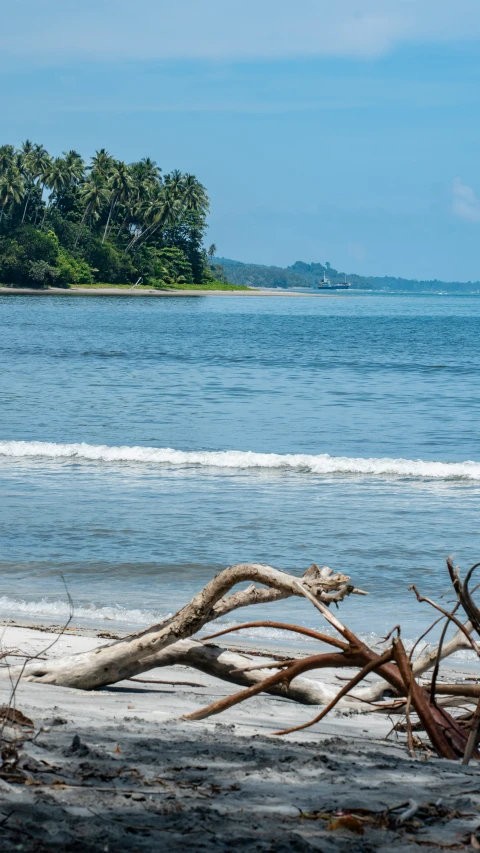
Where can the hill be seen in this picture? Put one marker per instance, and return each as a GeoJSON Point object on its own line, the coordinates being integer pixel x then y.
{"type": "Point", "coordinates": [301, 274]}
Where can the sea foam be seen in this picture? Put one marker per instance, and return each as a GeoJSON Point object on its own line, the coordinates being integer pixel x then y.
{"type": "Point", "coordinates": [59, 610]}
{"type": "Point", "coordinates": [321, 464]}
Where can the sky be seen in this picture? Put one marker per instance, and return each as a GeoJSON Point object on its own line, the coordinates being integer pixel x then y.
{"type": "Point", "coordinates": [346, 132]}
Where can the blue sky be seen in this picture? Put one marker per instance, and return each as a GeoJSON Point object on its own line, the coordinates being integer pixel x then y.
{"type": "Point", "coordinates": [346, 132]}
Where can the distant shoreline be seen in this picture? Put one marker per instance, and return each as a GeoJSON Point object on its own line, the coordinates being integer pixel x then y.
{"type": "Point", "coordinates": [117, 291]}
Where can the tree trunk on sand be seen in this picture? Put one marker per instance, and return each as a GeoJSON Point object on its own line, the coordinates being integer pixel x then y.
{"type": "Point", "coordinates": [230, 666]}
{"type": "Point", "coordinates": [139, 652]}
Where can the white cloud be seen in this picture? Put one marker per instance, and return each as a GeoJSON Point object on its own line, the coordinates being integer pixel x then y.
{"type": "Point", "coordinates": [465, 203]}
{"type": "Point", "coordinates": [58, 30]}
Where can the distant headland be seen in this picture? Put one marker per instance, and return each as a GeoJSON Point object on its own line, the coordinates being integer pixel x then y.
{"type": "Point", "coordinates": [301, 274]}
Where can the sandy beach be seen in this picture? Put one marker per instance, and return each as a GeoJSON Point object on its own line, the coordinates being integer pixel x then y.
{"type": "Point", "coordinates": [118, 291]}
{"type": "Point", "coordinates": [118, 769]}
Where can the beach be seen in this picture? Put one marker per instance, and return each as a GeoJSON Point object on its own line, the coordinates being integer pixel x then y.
{"type": "Point", "coordinates": [77, 290]}
{"type": "Point", "coordinates": [118, 769]}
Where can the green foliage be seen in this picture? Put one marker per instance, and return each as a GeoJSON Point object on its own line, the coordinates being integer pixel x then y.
{"type": "Point", "coordinates": [108, 263]}
{"type": "Point", "coordinates": [170, 266]}
{"type": "Point", "coordinates": [42, 273]}
{"type": "Point", "coordinates": [65, 221]}
{"type": "Point", "coordinates": [72, 270]}
{"type": "Point", "coordinates": [29, 246]}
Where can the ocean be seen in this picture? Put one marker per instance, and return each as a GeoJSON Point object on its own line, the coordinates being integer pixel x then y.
{"type": "Point", "coordinates": [145, 444]}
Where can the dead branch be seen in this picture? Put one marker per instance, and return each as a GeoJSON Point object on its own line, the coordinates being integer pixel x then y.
{"type": "Point", "coordinates": [463, 593]}
{"type": "Point", "coordinates": [135, 654]}
{"type": "Point", "coordinates": [422, 706]}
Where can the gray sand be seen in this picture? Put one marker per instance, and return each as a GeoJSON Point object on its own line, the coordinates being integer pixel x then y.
{"type": "Point", "coordinates": [118, 770]}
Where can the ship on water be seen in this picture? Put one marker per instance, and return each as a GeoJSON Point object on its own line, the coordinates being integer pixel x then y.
{"type": "Point", "coordinates": [326, 284]}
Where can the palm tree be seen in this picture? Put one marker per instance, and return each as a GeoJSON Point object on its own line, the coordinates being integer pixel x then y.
{"type": "Point", "coordinates": [102, 162]}
{"type": "Point", "coordinates": [36, 164]}
{"type": "Point", "coordinates": [74, 166]}
{"type": "Point", "coordinates": [11, 188]}
{"type": "Point", "coordinates": [146, 170]}
{"type": "Point", "coordinates": [43, 164]}
{"type": "Point", "coordinates": [94, 195]}
{"type": "Point", "coordinates": [57, 177]}
{"type": "Point", "coordinates": [120, 184]}
{"type": "Point", "coordinates": [194, 195]}
{"type": "Point", "coordinates": [212, 251]}
{"type": "Point", "coordinates": [32, 161]}
{"type": "Point", "coordinates": [164, 208]}
{"type": "Point", "coordinates": [7, 154]}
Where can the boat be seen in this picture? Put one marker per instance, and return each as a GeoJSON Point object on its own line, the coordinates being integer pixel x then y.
{"type": "Point", "coordinates": [326, 284]}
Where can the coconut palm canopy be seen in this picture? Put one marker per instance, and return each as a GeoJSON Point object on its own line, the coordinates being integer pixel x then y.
{"type": "Point", "coordinates": [66, 221]}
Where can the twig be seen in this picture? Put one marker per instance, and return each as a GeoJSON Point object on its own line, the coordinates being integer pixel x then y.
{"type": "Point", "coordinates": [439, 652]}
{"type": "Point", "coordinates": [421, 598]}
{"type": "Point", "coordinates": [412, 810]}
{"type": "Point", "coordinates": [421, 637]}
{"type": "Point", "coordinates": [38, 657]}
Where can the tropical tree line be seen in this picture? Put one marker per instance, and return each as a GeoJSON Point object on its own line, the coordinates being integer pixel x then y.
{"type": "Point", "coordinates": [64, 221]}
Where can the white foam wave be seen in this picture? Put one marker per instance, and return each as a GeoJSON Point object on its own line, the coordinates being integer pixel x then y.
{"type": "Point", "coordinates": [59, 611]}
{"type": "Point", "coordinates": [321, 464]}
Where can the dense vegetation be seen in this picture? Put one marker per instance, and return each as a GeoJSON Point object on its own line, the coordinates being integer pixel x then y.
{"type": "Point", "coordinates": [65, 222]}
{"type": "Point", "coordinates": [301, 274]}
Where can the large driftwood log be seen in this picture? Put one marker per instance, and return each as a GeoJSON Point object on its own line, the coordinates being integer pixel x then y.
{"type": "Point", "coordinates": [138, 652]}
{"type": "Point", "coordinates": [230, 666]}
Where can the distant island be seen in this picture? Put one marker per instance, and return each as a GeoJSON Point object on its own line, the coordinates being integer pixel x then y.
{"type": "Point", "coordinates": [64, 222]}
{"type": "Point", "coordinates": [301, 274]}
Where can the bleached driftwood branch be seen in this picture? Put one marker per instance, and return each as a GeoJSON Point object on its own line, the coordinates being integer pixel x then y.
{"type": "Point", "coordinates": [137, 653]}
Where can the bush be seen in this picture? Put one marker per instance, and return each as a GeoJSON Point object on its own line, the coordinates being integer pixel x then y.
{"type": "Point", "coordinates": [72, 270]}
{"type": "Point", "coordinates": [42, 273]}
{"type": "Point", "coordinates": [170, 266]}
{"type": "Point", "coordinates": [107, 263]}
{"type": "Point", "coordinates": [28, 247]}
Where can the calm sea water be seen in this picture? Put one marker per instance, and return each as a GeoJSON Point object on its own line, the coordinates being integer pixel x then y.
{"type": "Point", "coordinates": [332, 430]}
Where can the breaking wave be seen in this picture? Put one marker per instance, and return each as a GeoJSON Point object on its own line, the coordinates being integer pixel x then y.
{"type": "Point", "coordinates": [59, 611]}
{"type": "Point", "coordinates": [321, 464]}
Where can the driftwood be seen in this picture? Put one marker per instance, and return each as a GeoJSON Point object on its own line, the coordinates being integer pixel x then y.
{"type": "Point", "coordinates": [229, 666]}
{"type": "Point", "coordinates": [447, 736]}
{"type": "Point", "coordinates": [137, 653]}
{"type": "Point", "coordinates": [171, 642]}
